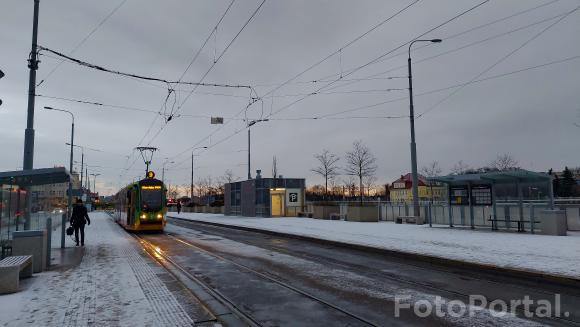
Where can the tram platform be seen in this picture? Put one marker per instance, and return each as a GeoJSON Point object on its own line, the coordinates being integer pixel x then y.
{"type": "Point", "coordinates": [109, 281]}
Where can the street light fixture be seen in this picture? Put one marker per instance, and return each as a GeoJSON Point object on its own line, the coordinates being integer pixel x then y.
{"type": "Point", "coordinates": [83, 158]}
{"type": "Point", "coordinates": [95, 182]}
{"type": "Point", "coordinates": [250, 124]}
{"type": "Point", "coordinates": [415, 179]}
{"type": "Point", "coordinates": [69, 209]}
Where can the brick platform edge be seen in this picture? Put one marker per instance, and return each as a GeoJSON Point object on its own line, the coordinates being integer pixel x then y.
{"type": "Point", "coordinates": [437, 261]}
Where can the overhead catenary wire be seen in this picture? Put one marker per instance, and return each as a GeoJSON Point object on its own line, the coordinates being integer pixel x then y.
{"type": "Point", "coordinates": [348, 44]}
{"type": "Point", "coordinates": [349, 73]}
{"type": "Point", "coordinates": [463, 47]}
{"type": "Point", "coordinates": [82, 42]}
{"type": "Point", "coordinates": [385, 54]}
{"type": "Point", "coordinates": [502, 59]}
{"type": "Point", "coordinates": [448, 37]}
{"type": "Point", "coordinates": [330, 116]}
{"type": "Point", "coordinates": [147, 78]}
{"type": "Point", "coordinates": [252, 91]}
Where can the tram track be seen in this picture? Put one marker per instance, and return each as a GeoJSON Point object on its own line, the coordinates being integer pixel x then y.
{"type": "Point", "coordinates": [242, 318]}
{"type": "Point", "coordinates": [236, 309]}
{"type": "Point", "coordinates": [315, 258]}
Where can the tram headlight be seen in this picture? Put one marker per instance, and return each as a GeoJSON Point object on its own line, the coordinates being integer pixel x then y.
{"type": "Point", "coordinates": [143, 216]}
{"type": "Point", "coordinates": [159, 216]}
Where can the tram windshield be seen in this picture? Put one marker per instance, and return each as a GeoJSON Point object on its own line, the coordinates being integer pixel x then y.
{"type": "Point", "coordinates": [151, 199]}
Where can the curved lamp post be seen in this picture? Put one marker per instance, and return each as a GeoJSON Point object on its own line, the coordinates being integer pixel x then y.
{"type": "Point", "coordinates": [416, 211]}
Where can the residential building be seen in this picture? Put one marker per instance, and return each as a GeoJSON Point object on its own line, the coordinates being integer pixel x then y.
{"type": "Point", "coordinates": [50, 196]}
{"type": "Point", "coordinates": [401, 190]}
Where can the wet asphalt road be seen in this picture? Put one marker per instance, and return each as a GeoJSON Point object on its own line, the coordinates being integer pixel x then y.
{"type": "Point", "coordinates": [365, 284]}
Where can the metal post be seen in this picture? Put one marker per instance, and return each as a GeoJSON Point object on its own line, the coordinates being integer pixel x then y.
{"type": "Point", "coordinates": [69, 207]}
{"type": "Point", "coordinates": [471, 214]}
{"type": "Point", "coordinates": [449, 212]}
{"type": "Point", "coordinates": [249, 168]}
{"type": "Point", "coordinates": [416, 211]}
{"type": "Point", "coordinates": [48, 239]}
{"type": "Point", "coordinates": [520, 206]}
{"type": "Point", "coordinates": [413, 145]}
{"type": "Point", "coordinates": [532, 219]}
{"type": "Point", "coordinates": [551, 192]}
{"type": "Point", "coordinates": [494, 206]}
{"type": "Point", "coordinates": [191, 185]}
{"type": "Point", "coordinates": [82, 165]}
{"type": "Point", "coordinates": [33, 66]}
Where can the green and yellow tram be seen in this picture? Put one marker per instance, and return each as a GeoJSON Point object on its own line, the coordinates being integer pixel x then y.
{"type": "Point", "coordinates": [141, 206]}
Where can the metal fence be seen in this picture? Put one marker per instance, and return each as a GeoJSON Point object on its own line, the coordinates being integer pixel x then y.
{"type": "Point", "coordinates": [508, 213]}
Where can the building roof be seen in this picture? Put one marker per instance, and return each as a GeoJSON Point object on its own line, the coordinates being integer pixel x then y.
{"type": "Point", "coordinates": [497, 177]}
{"type": "Point", "coordinates": [408, 178]}
{"type": "Point", "coordinates": [39, 176]}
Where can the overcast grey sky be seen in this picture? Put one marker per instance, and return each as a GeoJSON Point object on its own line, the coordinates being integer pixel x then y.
{"type": "Point", "coordinates": [529, 114]}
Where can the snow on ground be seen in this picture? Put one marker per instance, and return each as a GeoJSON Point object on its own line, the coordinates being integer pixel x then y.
{"type": "Point", "coordinates": [113, 285]}
{"type": "Point", "coordinates": [552, 255]}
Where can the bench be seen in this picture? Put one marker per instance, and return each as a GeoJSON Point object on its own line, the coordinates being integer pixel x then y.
{"type": "Point", "coordinates": [305, 214]}
{"type": "Point", "coordinates": [406, 220]}
{"type": "Point", "coordinates": [519, 222]}
{"type": "Point", "coordinates": [11, 270]}
{"type": "Point", "coordinates": [336, 216]}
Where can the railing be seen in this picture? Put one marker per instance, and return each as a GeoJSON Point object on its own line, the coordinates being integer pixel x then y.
{"type": "Point", "coordinates": [508, 212]}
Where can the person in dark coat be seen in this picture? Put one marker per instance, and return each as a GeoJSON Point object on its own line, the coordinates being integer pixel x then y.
{"type": "Point", "coordinates": [178, 207]}
{"type": "Point", "coordinates": [78, 220]}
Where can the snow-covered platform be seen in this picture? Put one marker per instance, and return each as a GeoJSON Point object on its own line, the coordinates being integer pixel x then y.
{"type": "Point", "coordinates": [540, 254]}
{"type": "Point", "coordinates": [106, 283]}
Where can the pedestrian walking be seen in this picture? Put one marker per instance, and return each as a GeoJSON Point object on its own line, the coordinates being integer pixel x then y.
{"type": "Point", "coordinates": [78, 219]}
{"type": "Point", "coordinates": [178, 207]}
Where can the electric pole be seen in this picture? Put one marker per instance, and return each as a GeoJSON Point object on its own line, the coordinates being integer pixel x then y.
{"type": "Point", "coordinates": [29, 132]}
{"type": "Point", "coordinates": [33, 66]}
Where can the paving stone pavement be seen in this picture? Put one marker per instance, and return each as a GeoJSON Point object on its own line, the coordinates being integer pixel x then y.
{"type": "Point", "coordinates": [112, 286]}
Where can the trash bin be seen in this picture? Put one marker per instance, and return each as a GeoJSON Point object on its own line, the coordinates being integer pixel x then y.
{"type": "Point", "coordinates": [31, 242]}
{"type": "Point", "coordinates": [553, 222]}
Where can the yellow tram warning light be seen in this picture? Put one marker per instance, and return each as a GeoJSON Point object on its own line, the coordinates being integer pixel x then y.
{"type": "Point", "coordinates": [151, 174]}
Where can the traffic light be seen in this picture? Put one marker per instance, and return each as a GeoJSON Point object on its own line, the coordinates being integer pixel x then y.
{"type": "Point", "coordinates": [1, 75]}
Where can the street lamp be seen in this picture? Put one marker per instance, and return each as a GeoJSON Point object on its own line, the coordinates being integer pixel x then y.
{"type": "Point", "coordinates": [415, 181]}
{"type": "Point", "coordinates": [72, 136]}
{"type": "Point", "coordinates": [95, 182]}
{"type": "Point", "coordinates": [250, 124]}
{"type": "Point", "coordinates": [83, 158]}
{"type": "Point", "coordinates": [191, 184]}
{"type": "Point", "coordinates": [163, 170]}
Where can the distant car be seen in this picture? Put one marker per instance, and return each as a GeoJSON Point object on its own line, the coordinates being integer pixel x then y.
{"type": "Point", "coordinates": [58, 210]}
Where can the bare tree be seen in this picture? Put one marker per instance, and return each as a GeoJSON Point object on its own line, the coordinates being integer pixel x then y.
{"type": "Point", "coordinates": [504, 162]}
{"type": "Point", "coordinates": [360, 162]}
{"type": "Point", "coordinates": [274, 167]}
{"type": "Point", "coordinates": [460, 168]}
{"type": "Point", "coordinates": [327, 167]}
{"type": "Point", "coordinates": [431, 170]}
{"type": "Point", "coordinates": [226, 178]}
{"type": "Point", "coordinates": [369, 182]}
{"type": "Point", "coordinates": [350, 185]}
{"type": "Point", "coordinates": [229, 176]}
